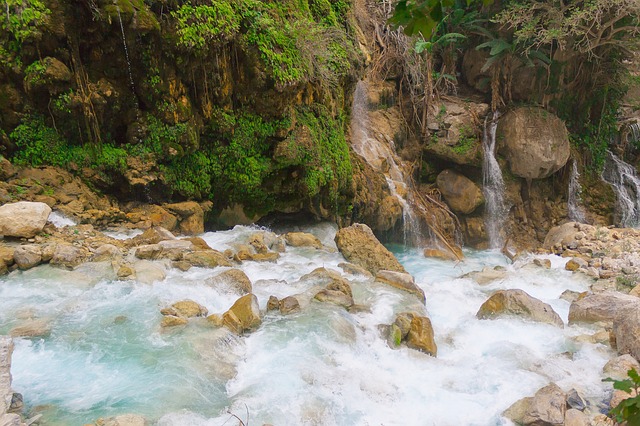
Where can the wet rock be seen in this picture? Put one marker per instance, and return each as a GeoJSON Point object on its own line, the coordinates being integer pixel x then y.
{"type": "Point", "coordinates": [575, 264]}
{"type": "Point", "coordinates": [302, 239]}
{"type": "Point", "coordinates": [618, 367]}
{"type": "Point", "coordinates": [575, 417]}
{"type": "Point", "coordinates": [6, 349]}
{"type": "Point", "coordinates": [147, 272]}
{"type": "Point", "coordinates": [518, 409]}
{"type": "Point", "coordinates": [106, 252]}
{"type": "Point", "coordinates": [570, 295]}
{"type": "Point", "coordinates": [10, 419]}
{"type": "Point", "coordinates": [68, 256]}
{"type": "Point", "coordinates": [273, 304]}
{"type": "Point", "coordinates": [460, 193]}
{"type": "Point", "coordinates": [27, 256]}
{"type": "Point", "coordinates": [23, 219]}
{"type": "Point", "coordinates": [338, 292]}
{"type": "Point", "coordinates": [191, 216]}
{"type": "Point", "coordinates": [125, 271]}
{"type": "Point", "coordinates": [234, 279]}
{"type": "Point", "coordinates": [486, 276]}
{"type": "Point", "coordinates": [400, 280]}
{"type": "Point", "coordinates": [534, 141]}
{"type": "Point", "coordinates": [206, 258]}
{"type": "Point", "coordinates": [605, 306]}
{"type": "Point", "coordinates": [151, 236]}
{"type": "Point", "coordinates": [575, 400]}
{"type": "Point", "coordinates": [198, 243]}
{"type": "Point", "coordinates": [421, 337]}
{"type": "Point", "coordinates": [173, 321]}
{"type": "Point", "coordinates": [289, 305]}
{"type": "Point", "coordinates": [358, 245]}
{"type": "Point", "coordinates": [149, 252]}
{"type": "Point", "coordinates": [32, 328]}
{"type": "Point", "coordinates": [519, 303]}
{"type": "Point", "coordinates": [626, 329]}
{"type": "Point", "coordinates": [543, 263]}
{"type": "Point", "coordinates": [439, 254]}
{"type": "Point", "coordinates": [350, 268]}
{"type": "Point", "coordinates": [244, 315]}
{"type": "Point", "coordinates": [6, 255]}
{"type": "Point", "coordinates": [189, 309]}
{"type": "Point", "coordinates": [547, 407]}
{"type": "Point", "coordinates": [17, 403]}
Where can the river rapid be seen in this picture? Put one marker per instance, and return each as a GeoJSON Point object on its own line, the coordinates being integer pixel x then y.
{"type": "Point", "coordinates": [107, 354]}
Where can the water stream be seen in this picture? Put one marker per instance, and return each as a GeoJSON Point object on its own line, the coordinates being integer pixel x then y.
{"type": "Point", "coordinates": [381, 156]}
{"type": "Point", "coordinates": [107, 355]}
{"type": "Point", "coordinates": [575, 211]}
{"type": "Point", "coordinates": [126, 51]}
{"type": "Point", "coordinates": [493, 186]}
{"type": "Point", "coordinates": [625, 182]}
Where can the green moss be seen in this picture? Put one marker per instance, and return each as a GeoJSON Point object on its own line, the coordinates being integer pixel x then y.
{"type": "Point", "coordinates": [200, 27]}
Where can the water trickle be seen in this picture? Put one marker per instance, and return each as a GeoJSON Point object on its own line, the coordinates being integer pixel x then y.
{"type": "Point", "coordinates": [381, 156]}
{"type": "Point", "coordinates": [625, 182]}
{"type": "Point", "coordinates": [493, 185]}
{"type": "Point", "coordinates": [126, 51]}
{"type": "Point", "coordinates": [574, 197]}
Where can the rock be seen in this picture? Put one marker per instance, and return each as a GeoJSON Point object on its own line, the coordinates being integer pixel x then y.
{"type": "Point", "coordinates": [518, 409]}
{"type": "Point", "coordinates": [618, 396]}
{"type": "Point", "coordinates": [547, 407]}
{"type": "Point", "coordinates": [125, 420]}
{"type": "Point", "coordinates": [570, 295]}
{"type": "Point", "coordinates": [6, 349]}
{"type": "Point", "coordinates": [618, 367]}
{"type": "Point", "coordinates": [147, 272]}
{"type": "Point", "coordinates": [289, 305]}
{"type": "Point", "coordinates": [352, 269]}
{"type": "Point", "coordinates": [439, 254]}
{"type": "Point", "coordinates": [6, 255]}
{"type": "Point", "coordinates": [626, 329]}
{"type": "Point", "coordinates": [23, 219]}
{"type": "Point", "coordinates": [198, 243]}
{"type": "Point", "coordinates": [125, 271]}
{"type": "Point", "coordinates": [562, 235]}
{"type": "Point", "coordinates": [273, 304]}
{"type": "Point", "coordinates": [106, 252]}
{"type": "Point", "coordinates": [152, 236]}
{"type": "Point", "coordinates": [189, 309]}
{"type": "Point", "coordinates": [32, 328]}
{"type": "Point", "coordinates": [574, 264]}
{"type": "Point", "coordinates": [358, 245]}
{"type": "Point", "coordinates": [543, 263]}
{"type": "Point", "coordinates": [460, 193]}
{"type": "Point", "coordinates": [27, 256]}
{"type": "Point", "coordinates": [10, 420]}
{"type": "Point", "coordinates": [338, 292]}
{"type": "Point", "coordinates": [191, 216]}
{"type": "Point", "coordinates": [400, 280]}
{"type": "Point", "coordinates": [534, 141]}
{"type": "Point", "coordinates": [575, 417]}
{"type": "Point", "coordinates": [605, 306]}
{"type": "Point", "coordinates": [420, 336]}
{"type": "Point", "coordinates": [206, 258]}
{"type": "Point", "coordinates": [6, 169]}
{"type": "Point", "coordinates": [17, 403]}
{"type": "Point", "coordinates": [68, 256]}
{"type": "Point", "coordinates": [302, 239]}
{"type": "Point", "coordinates": [575, 400]}
{"type": "Point", "coordinates": [519, 303]}
{"type": "Point", "coordinates": [486, 276]}
{"type": "Point", "coordinates": [173, 321]}
{"type": "Point", "coordinates": [149, 251]}
{"type": "Point", "coordinates": [235, 279]}
{"type": "Point", "coordinates": [244, 315]}
{"type": "Point", "coordinates": [175, 249]}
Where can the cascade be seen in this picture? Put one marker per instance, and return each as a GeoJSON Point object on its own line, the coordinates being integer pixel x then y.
{"type": "Point", "coordinates": [634, 129]}
{"type": "Point", "coordinates": [493, 186]}
{"type": "Point", "coordinates": [126, 51]}
{"type": "Point", "coordinates": [574, 197]}
{"type": "Point", "coordinates": [625, 182]}
{"type": "Point", "coordinates": [381, 156]}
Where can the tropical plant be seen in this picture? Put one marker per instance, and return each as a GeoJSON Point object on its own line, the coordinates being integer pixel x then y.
{"type": "Point", "coordinates": [628, 410]}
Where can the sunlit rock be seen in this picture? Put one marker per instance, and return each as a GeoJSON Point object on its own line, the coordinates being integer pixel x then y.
{"type": "Point", "coordinates": [618, 367]}
{"type": "Point", "coordinates": [518, 303]}
{"type": "Point", "coordinates": [234, 279]}
{"type": "Point", "coordinates": [605, 306]}
{"type": "Point", "coordinates": [302, 239]}
{"type": "Point", "coordinates": [547, 407]}
{"type": "Point", "coordinates": [244, 315]}
{"type": "Point", "coordinates": [23, 219]}
{"type": "Point", "coordinates": [27, 256]}
{"type": "Point", "coordinates": [358, 245]}
{"type": "Point", "coordinates": [421, 337]}
{"type": "Point", "coordinates": [400, 280]}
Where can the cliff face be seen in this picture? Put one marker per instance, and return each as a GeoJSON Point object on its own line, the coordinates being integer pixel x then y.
{"type": "Point", "coordinates": [244, 103]}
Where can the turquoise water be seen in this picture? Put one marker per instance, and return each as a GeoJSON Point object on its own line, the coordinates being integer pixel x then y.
{"type": "Point", "coordinates": [107, 355]}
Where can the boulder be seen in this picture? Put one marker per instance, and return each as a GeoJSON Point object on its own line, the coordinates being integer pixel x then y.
{"type": "Point", "coordinates": [234, 279]}
{"type": "Point", "coordinates": [518, 409]}
{"type": "Point", "coordinates": [575, 400]}
{"type": "Point", "coordinates": [605, 306]}
{"type": "Point", "coordinates": [626, 329]}
{"type": "Point", "coordinates": [106, 252]}
{"type": "Point", "coordinates": [27, 256]}
{"type": "Point", "coordinates": [151, 236]}
{"type": "Point", "coordinates": [437, 253]}
{"type": "Point", "coordinates": [460, 193]}
{"type": "Point", "coordinates": [420, 336]}
{"type": "Point", "coordinates": [191, 216]}
{"type": "Point", "coordinates": [6, 255]}
{"type": "Point", "coordinates": [23, 219]}
{"type": "Point", "coordinates": [244, 315]}
{"type": "Point", "coordinates": [358, 245]}
{"type": "Point", "coordinates": [352, 269]}
{"type": "Point", "coordinates": [206, 258]}
{"type": "Point", "coordinates": [302, 239]}
{"type": "Point", "coordinates": [618, 367]}
{"type": "Point", "coordinates": [519, 303]}
{"type": "Point", "coordinates": [534, 141]}
{"type": "Point", "coordinates": [10, 420]}
{"type": "Point", "coordinates": [547, 407]}
{"type": "Point", "coordinates": [338, 292]}
{"type": "Point", "coordinates": [32, 328]}
{"type": "Point", "coordinates": [289, 305]}
{"type": "Point", "coordinates": [575, 417]}
{"type": "Point", "coordinates": [400, 280]}
{"type": "Point", "coordinates": [189, 309]}
{"type": "Point", "coordinates": [173, 321]}
{"type": "Point", "coordinates": [562, 235]}
{"type": "Point", "coordinates": [147, 272]}
{"type": "Point", "coordinates": [486, 275]}
{"type": "Point", "coordinates": [6, 349]}
{"type": "Point", "coordinates": [68, 256]}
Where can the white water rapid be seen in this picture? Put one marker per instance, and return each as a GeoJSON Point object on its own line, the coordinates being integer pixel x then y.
{"type": "Point", "coordinates": [575, 211]}
{"type": "Point", "coordinates": [625, 182]}
{"type": "Point", "coordinates": [381, 156]}
{"type": "Point", "coordinates": [107, 355]}
{"type": "Point", "coordinates": [493, 184]}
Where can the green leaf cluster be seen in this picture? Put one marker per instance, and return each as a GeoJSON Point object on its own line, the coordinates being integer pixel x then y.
{"type": "Point", "coordinates": [628, 410]}
{"type": "Point", "coordinates": [23, 19]}
{"type": "Point", "coordinates": [202, 26]}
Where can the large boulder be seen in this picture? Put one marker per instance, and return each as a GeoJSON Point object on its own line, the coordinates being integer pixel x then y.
{"type": "Point", "coordinates": [233, 279]}
{"type": "Point", "coordinates": [358, 245]}
{"type": "Point", "coordinates": [400, 280]}
{"type": "Point", "coordinates": [27, 256]}
{"type": "Point", "coordinates": [420, 336]}
{"type": "Point", "coordinates": [191, 216]}
{"type": "Point", "coordinates": [605, 306]}
{"type": "Point", "coordinates": [186, 309]}
{"type": "Point", "coordinates": [534, 141]}
{"type": "Point", "coordinates": [206, 258]}
{"type": "Point", "coordinates": [68, 256]}
{"type": "Point", "coordinates": [338, 292]}
{"type": "Point", "coordinates": [244, 315]}
{"type": "Point", "coordinates": [302, 239]}
{"type": "Point", "coordinates": [618, 367]}
{"type": "Point", "coordinates": [460, 193]}
{"type": "Point", "coordinates": [626, 329]}
{"type": "Point", "coordinates": [519, 303]}
{"type": "Point", "coordinates": [23, 219]}
{"type": "Point", "coordinates": [547, 407]}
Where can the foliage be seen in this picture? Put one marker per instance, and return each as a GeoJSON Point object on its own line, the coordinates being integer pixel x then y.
{"type": "Point", "coordinates": [34, 73]}
{"type": "Point", "coordinates": [466, 141]}
{"type": "Point", "coordinates": [628, 410]}
{"type": "Point", "coordinates": [202, 25]}
{"type": "Point", "coordinates": [23, 19]}
{"type": "Point", "coordinates": [39, 144]}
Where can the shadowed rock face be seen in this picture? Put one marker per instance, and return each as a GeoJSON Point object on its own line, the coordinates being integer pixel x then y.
{"type": "Point", "coordinates": [535, 142]}
{"type": "Point", "coordinates": [358, 245]}
{"type": "Point", "coordinates": [518, 303]}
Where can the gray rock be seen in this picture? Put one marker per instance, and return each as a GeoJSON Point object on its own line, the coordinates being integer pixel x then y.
{"type": "Point", "coordinates": [547, 407]}
{"type": "Point", "coordinates": [604, 306]}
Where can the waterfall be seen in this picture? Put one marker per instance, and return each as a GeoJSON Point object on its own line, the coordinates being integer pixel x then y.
{"type": "Point", "coordinates": [493, 185]}
{"type": "Point", "coordinates": [625, 182]}
{"type": "Point", "coordinates": [381, 156]}
{"type": "Point", "coordinates": [126, 51]}
{"type": "Point", "coordinates": [634, 129]}
{"type": "Point", "coordinates": [574, 197]}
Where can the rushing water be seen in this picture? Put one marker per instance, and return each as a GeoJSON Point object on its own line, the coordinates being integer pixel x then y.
{"type": "Point", "coordinates": [381, 156]}
{"type": "Point", "coordinates": [493, 185]}
{"type": "Point", "coordinates": [107, 355]}
{"type": "Point", "coordinates": [574, 196]}
{"type": "Point", "coordinates": [625, 182]}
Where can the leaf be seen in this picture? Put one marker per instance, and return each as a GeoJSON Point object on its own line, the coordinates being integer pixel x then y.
{"type": "Point", "coordinates": [421, 46]}
{"type": "Point", "coordinates": [490, 62]}
{"type": "Point", "coordinates": [499, 46]}
{"type": "Point", "coordinates": [451, 37]}
{"type": "Point", "coordinates": [536, 54]}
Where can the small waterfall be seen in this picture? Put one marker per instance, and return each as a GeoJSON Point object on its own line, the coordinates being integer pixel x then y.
{"type": "Point", "coordinates": [574, 197]}
{"type": "Point", "coordinates": [625, 182]}
{"type": "Point", "coordinates": [493, 185]}
{"type": "Point", "coordinates": [126, 51]}
{"type": "Point", "coordinates": [634, 132]}
{"type": "Point", "coordinates": [381, 157]}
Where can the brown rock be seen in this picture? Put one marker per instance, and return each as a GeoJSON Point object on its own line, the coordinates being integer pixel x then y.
{"type": "Point", "coordinates": [68, 256]}
{"type": "Point", "coordinates": [400, 280]}
{"type": "Point", "coordinates": [302, 239]}
{"type": "Point", "coordinates": [420, 336]}
{"type": "Point", "coordinates": [6, 254]}
{"type": "Point", "coordinates": [234, 279]}
{"type": "Point", "coordinates": [152, 236]}
{"type": "Point", "coordinates": [460, 193]}
{"type": "Point", "coordinates": [172, 321]}
{"type": "Point", "coordinates": [518, 409]}
{"type": "Point", "coordinates": [273, 304]}
{"type": "Point", "coordinates": [191, 214]}
{"type": "Point", "coordinates": [244, 315]}
{"type": "Point", "coordinates": [543, 263]}
{"type": "Point", "coordinates": [626, 329]}
{"type": "Point", "coordinates": [575, 417]}
{"type": "Point", "coordinates": [206, 258]}
{"type": "Point", "coordinates": [32, 328]}
{"type": "Point", "coordinates": [289, 305]}
{"type": "Point", "coordinates": [358, 245]}
{"type": "Point", "coordinates": [547, 407]}
{"type": "Point", "coordinates": [618, 367]}
{"type": "Point", "coordinates": [189, 309]}
{"type": "Point", "coordinates": [439, 254]}
{"type": "Point", "coordinates": [594, 307]}
{"type": "Point", "coordinates": [519, 303]}
{"type": "Point", "coordinates": [338, 292]}
{"type": "Point", "coordinates": [27, 256]}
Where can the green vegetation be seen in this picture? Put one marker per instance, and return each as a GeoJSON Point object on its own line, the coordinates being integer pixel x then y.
{"type": "Point", "coordinates": [466, 141]}
{"type": "Point", "coordinates": [23, 19]}
{"type": "Point", "coordinates": [628, 410]}
{"type": "Point", "coordinates": [201, 26]}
